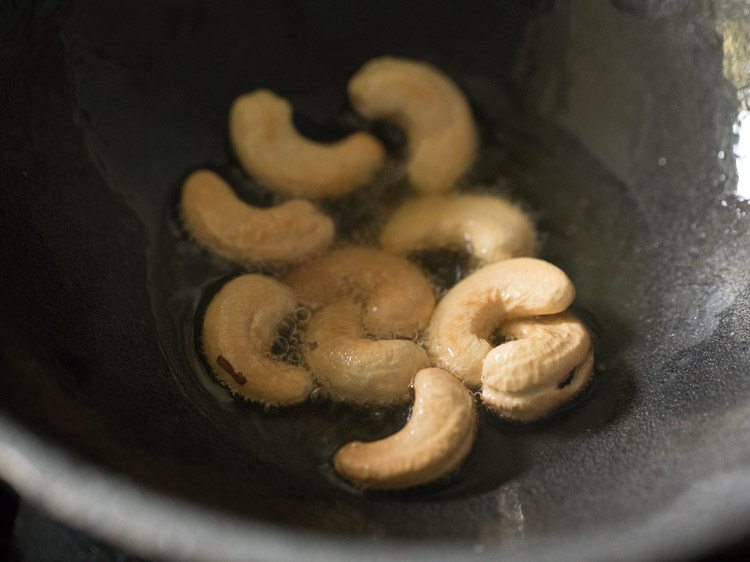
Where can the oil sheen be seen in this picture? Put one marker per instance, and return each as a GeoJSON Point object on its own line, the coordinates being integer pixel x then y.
{"type": "Point", "coordinates": [585, 222]}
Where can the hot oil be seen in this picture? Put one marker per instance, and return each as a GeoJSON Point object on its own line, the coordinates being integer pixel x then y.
{"type": "Point", "coordinates": [444, 267]}
{"type": "Point", "coordinates": [588, 226]}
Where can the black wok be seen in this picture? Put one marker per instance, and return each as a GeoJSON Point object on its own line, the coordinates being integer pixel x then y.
{"type": "Point", "coordinates": [616, 124]}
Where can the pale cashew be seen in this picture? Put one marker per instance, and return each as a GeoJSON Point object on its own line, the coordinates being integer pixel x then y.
{"type": "Point", "coordinates": [397, 296]}
{"type": "Point", "coordinates": [238, 332]}
{"type": "Point", "coordinates": [489, 227]}
{"type": "Point", "coordinates": [245, 234]}
{"type": "Point", "coordinates": [547, 362]}
{"type": "Point", "coordinates": [270, 148]}
{"type": "Point", "coordinates": [470, 311]}
{"type": "Point", "coordinates": [353, 367]}
{"type": "Point", "coordinates": [431, 109]}
{"type": "Point", "coordinates": [433, 443]}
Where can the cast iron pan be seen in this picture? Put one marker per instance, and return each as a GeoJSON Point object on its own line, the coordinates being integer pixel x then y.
{"type": "Point", "coordinates": [612, 122]}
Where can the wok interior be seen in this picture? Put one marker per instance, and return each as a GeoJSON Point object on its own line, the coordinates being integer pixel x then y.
{"type": "Point", "coordinates": [605, 119]}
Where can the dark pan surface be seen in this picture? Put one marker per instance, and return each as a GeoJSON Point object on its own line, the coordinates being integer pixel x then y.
{"type": "Point", "coordinates": [613, 123]}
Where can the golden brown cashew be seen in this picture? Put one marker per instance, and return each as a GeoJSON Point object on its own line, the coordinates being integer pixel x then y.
{"type": "Point", "coordinates": [398, 298]}
{"type": "Point", "coordinates": [433, 443]}
{"type": "Point", "coordinates": [431, 109]}
{"type": "Point", "coordinates": [491, 228]}
{"type": "Point", "coordinates": [270, 148]}
{"type": "Point", "coordinates": [353, 367]}
{"type": "Point", "coordinates": [470, 311]}
{"type": "Point", "coordinates": [244, 234]}
{"type": "Point", "coordinates": [547, 362]}
{"type": "Point", "coordinates": [238, 331]}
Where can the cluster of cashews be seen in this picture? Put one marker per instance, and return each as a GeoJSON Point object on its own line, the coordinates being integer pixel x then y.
{"type": "Point", "coordinates": [368, 305]}
{"type": "Point", "coordinates": [547, 355]}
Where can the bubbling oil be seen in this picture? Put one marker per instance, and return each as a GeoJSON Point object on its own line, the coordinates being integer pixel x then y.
{"type": "Point", "coordinates": [290, 342]}
{"type": "Point", "coordinates": [359, 218]}
{"type": "Point", "coordinates": [548, 182]}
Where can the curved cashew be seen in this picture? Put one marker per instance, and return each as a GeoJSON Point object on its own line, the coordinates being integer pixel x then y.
{"type": "Point", "coordinates": [354, 367]}
{"type": "Point", "coordinates": [465, 318]}
{"type": "Point", "coordinates": [491, 228]}
{"type": "Point", "coordinates": [238, 331]}
{"type": "Point", "coordinates": [244, 234]}
{"type": "Point", "coordinates": [398, 298]}
{"type": "Point", "coordinates": [431, 109]}
{"type": "Point", "coordinates": [433, 443]}
{"type": "Point", "coordinates": [269, 147]}
{"type": "Point", "coordinates": [545, 364]}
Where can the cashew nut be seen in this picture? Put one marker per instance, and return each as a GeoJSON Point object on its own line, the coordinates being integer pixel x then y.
{"type": "Point", "coordinates": [270, 148]}
{"type": "Point", "coordinates": [398, 298]}
{"type": "Point", "coordinates": [491, 228]}
{"type": "Point", "coordinates": [547, 361]}
{"type": "Point", "coordinates": [433, 443]}
{"type": "Point", "coordinates": [431, 109]}
{"type": "Point", "coordinates": [353, 367]}
{"type": "Point", "coordinates": [238, 331]}
{"type": "Point", "coordinates": [470, 311]}
{"type": "Point", "coordinates": [244, 234]}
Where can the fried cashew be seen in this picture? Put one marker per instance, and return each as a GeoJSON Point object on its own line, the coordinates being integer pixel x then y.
{"type": "Point", "coordinates": [431, 109]}
{"type": "Point", "coordinates": [238, 332]}
{"type": "Point", "coordinates": [433, 443]}
{"type": "Point", "coordinates": [488, 227]}
{"type": "Point", "coordinates": [244, 234]}
{"type": "Point", "coordinates": [398, 298]}
{"type": "Point", "coordinates": [547, 361]}
{"type": "Point", "coordinates": [463, 322]}
{"type": "Point", "coordinates": [353, 367]}
{"type": "Point", "coordinates": [271, 149]}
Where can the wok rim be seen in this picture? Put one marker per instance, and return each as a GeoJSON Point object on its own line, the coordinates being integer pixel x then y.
{"type": "Point", "coordinates": [148, 523]}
